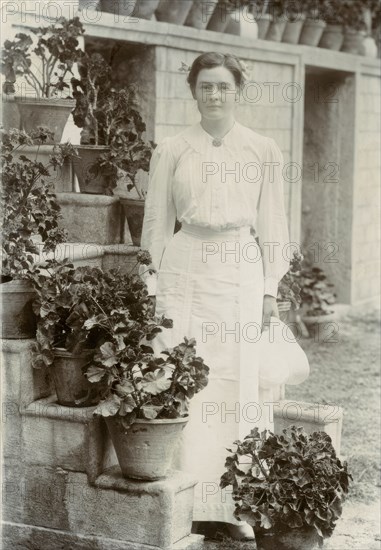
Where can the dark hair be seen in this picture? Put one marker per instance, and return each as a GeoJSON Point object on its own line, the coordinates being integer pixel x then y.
{"type": "Point", "coordinates": [210, 60]}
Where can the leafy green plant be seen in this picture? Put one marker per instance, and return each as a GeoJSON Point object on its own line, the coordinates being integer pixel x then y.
{"type": "Point", "coordinates": [58, 50]}
{"type": "Point", "coordinates": [289, 286]}
{"type": "Point", "coordinates": [71, 301]}
{"type": "Point", "coordinates": [110, 117]}
{"type": "Point", "coordinates": [292, 480]}
{"type": "Point", "coordinates": [141, 385]}
{"type": "Point", "coordinates": [316, 292]}
{"type": "Point", "coordinates": [29, 207]}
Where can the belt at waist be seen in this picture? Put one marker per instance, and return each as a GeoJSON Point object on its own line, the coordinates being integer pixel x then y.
{"type": "Point", "coordinates": [209, 233]}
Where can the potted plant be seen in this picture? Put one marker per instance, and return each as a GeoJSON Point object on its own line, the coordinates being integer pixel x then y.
{"type": "Point", "coordinates": [173, 11]}
{"type": "Point", "coordinates": [354, 25]}
{"type": "Point", "coordinates": [30, 213]}
{"type": "Point", "coordinates": [200, 13]}
{"type": "Point", "coordinates": [317, 299]}
{"type": "Point", "coordinates": [147, 397]}
{"type": "Point", "coordinates": [260, 10]}
{"type": "Point", "coordinates": [289, 288]}
{"type": "Point", "coordinates": [145, 8]}
{"type": "Point", "coordinates": [57, 50]}
{"type": "Point", "coordinates": [333, 34]}
{"type": "Point", "coordinates": [295, 14]}
{"type": "Point", "coordinates": [112, 137]}
{"type": "Point", "coordinates": [372, 20]}
{"type": "Point", "coordinates": [314, 24]}
{"type": "Point", "coordinates": [289, 487]}
{"type": "Point", "coordinates": [222, 15]}
{"type": "Point", "coordinates": [278, 23]}
{"type": "Point", "coordinates": [123, 8]}
{"type": "Point", "coordinates": [68, 303]}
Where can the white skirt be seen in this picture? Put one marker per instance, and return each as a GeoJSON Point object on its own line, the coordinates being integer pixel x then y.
{"type": "Point", "coordinates": [211, 285]}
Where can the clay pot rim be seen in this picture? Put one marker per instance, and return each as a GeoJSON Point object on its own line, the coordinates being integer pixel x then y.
{"type": "Point", "coordinates": [181, 420]}
{"type": "Point", "coordinates": [63, 352]}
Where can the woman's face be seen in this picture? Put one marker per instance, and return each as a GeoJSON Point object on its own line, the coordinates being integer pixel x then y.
{"type": "Point", "coordinates": [216, 93]}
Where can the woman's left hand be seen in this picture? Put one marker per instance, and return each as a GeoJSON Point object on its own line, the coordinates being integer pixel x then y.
{"type": "Point", "coordinates": [270, 309]}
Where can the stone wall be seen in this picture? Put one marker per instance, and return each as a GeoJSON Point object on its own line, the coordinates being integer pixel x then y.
{"type": "Point", "coordinates": [367, 214]}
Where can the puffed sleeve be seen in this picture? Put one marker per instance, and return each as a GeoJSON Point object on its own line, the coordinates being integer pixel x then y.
{"type": "Point", "coordinates": [271, 223]}
{"type": "Point", "coordinates": [159, 211]}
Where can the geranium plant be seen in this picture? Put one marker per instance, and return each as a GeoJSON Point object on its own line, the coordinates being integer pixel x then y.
{"type": "Point", "coordinates": [111, 118]}
{"type": "Point", "coordinates": [57, 49]}
{"type": "Point", "coordinates": [141, 385]}
{"type": "Point", "coordinates": [29, 208]}
{"type": "Point", "coordinates": [289, 286]}
{"type": "Point", "coordinates": [316, 293]}
{"type": "Point", "coordinates": [288, 481]}
{"type": "Point", "coordinates": [71, 301]}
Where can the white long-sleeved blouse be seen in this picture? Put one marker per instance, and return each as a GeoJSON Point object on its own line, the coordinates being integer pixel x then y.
{"type": "Point", "coordinates": [237, 184]}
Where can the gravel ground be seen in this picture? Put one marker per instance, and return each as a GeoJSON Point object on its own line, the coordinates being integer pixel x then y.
{"type": "Point", "coordinates": [348, 373]}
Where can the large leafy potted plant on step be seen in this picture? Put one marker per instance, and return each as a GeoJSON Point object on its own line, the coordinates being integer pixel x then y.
{"type": "Point", "coordinates": [290, 487]}
{"type": "Point", "coordinates": [68, 301]}
{"type": "Point", "coordinates": [44, 64]}
{"type": "Point", "coordinates": [30, 217]}
{"type": "Point", "coordinates": [333, 34]}
{"type": "Point", "coordinates": [314, 23]}
{"type": "Point", "coordinates": [146, 396]}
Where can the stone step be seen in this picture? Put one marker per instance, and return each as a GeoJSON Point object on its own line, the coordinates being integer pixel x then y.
{"type": "Point", "coordinates": [312, 416]}
{"type": "Point", "coordinates": [106, 256]}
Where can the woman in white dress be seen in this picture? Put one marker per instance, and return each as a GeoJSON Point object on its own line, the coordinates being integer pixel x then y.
{"type": "Point", "coordinates": [223, 182]}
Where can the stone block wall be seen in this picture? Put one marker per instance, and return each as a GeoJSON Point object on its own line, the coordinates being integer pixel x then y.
{"type": "Point", "coordinates": [367, 213]}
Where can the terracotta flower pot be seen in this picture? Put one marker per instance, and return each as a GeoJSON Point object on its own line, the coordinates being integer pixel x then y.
{"type": "Point", "coordinates": [144, 9]}
{"type": "Point", "coordinates": [332, 37]}
{"type": "Point", "coordinates": [263, 22]}
{"type": "Point", "coordinates": [145, 450]}
{"type": "Point", "coordinates": [200, 13]}
{"type": "Point", "coordinates": [72, 387]}
{"type": "Point", "coordinates": [219, 19]}
{"type": "Point", "coordinates": [352, 42]}
{"type": "Point", "coordinates": [88, 183]}
{"type": "Point", "coordinates": [276, 30]}
{"type": "Point", "coordinates": [369, 47]}
{"type": "Point", "coordinates": [17, 318]}
{"type": "Point", "coordinates": [52, 113]}
{"type": "Point", "coordinates": [311, 32]}
{"type": "Point", "coordinates": [122, 8]}
{"type": "Point", "coordinates": [173, 11]}
{"type": "Point", "coordinates": [134, 212]}
{"type": "Point", "coordinates": [292, 30]}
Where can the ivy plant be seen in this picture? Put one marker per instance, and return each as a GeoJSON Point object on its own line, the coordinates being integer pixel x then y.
{"type": "Point", "coordinates": [316, 292]}
{"type": "Point", "coordinates": [289, 286]}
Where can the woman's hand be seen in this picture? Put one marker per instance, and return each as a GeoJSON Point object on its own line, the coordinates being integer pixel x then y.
{"type": "Point", "coordinates": [270, 309]}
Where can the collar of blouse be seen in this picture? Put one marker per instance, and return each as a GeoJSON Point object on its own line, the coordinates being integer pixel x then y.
{"type": "Point", "coordinates": [200, 140]}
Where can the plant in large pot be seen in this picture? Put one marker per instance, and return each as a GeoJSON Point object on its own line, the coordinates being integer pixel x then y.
{"type": "Point", "coordinates": [314, 23]}
{"type": "Point", "coordinates": [225, 11]}
{"type": "Point", "coordinates": [145, 396]}
{"type": "Point", "coordinates": [173, 11]}
{"type": "Point", "coordinates": [355, 26]}
{"type": "Point", "coordinates": [277, 9]}
{"type": "Point", "coordinates": [56, 50]}
{"type": "Point", "coordinates": [289, 487]}
{"type": "Point", "coordinates": [112, 145]}
{"type": "Point", "coordinates": [67, 306]}
{"type": "Point", "coordinates": [333, 34]}
{"type": "Point", "coordinates": [289, 288]}
{"type": "Point", "coordinates": [30, 217]}
{"type": "Point", "coordinates": [295, 14]}
{"type": "Point", "coordinates": [260, 11]}
{"type": "Point", "coordinates": [317, 297]}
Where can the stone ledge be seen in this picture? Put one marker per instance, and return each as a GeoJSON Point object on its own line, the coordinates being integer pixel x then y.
{"type": "Point", "coordinates": [312, 416]}
{"type": "Point", "coordinates": [18, 536]}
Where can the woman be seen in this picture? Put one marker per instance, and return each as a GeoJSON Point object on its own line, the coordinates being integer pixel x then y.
{"type": "Point", "coordinates": [223, 182]}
